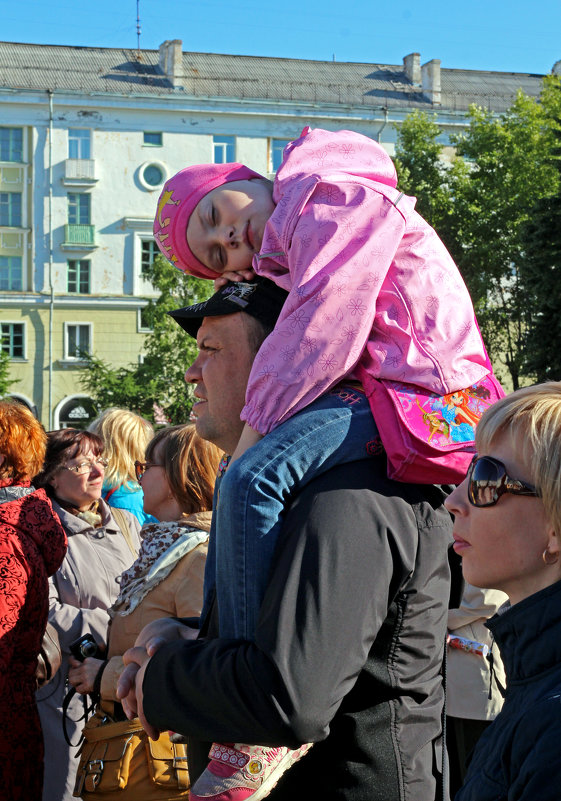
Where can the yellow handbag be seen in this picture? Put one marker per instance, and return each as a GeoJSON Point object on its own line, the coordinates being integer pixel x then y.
{"type": "Point", "coordinates": [119, 761]}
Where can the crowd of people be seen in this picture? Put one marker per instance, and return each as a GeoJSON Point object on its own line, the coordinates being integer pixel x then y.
{"type": "Point", "coordinates": [269, 600]}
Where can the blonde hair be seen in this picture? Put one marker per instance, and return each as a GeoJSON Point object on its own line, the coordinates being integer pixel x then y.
{"type": "Point", "coordinates": [190, 464]}
{"type": "Point", "coordinates": [125, 437]}
{"type": "Point", "coordinates": [532, 417]}
{"type": "Point", "coordinates": [23, 442]}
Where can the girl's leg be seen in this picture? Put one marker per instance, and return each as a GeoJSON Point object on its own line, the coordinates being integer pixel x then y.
{"type": "Point", "coordinates": [336, 429]}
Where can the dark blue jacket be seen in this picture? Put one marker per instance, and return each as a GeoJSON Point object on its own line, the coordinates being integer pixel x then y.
{"type": "Point", "coordinates": [519, 756]}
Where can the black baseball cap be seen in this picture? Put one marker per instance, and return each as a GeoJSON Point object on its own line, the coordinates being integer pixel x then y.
{"type": "Point", "coordinates": [261, 298]}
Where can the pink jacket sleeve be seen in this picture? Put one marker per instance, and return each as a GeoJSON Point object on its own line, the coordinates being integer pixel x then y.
{"type": "Point", "coordinates": [340, 253]}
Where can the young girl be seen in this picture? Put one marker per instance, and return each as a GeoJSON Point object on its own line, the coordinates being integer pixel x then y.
{"type": "Point", "coordinates": [373, 297]}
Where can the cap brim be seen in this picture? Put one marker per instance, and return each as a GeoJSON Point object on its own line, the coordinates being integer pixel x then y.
{"type": "Point", "coordinates": [260, 298]}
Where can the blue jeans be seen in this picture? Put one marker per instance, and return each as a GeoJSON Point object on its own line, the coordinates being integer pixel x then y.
{"type": "Point", "coordinates": [257, 488]}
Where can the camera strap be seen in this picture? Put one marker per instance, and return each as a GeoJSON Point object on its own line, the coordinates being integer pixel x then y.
{"type": "Point", "coordinates": [89, 701]}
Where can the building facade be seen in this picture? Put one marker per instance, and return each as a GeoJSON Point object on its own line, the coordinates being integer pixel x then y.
{"type": "Point", "coordinates": [88, 136]}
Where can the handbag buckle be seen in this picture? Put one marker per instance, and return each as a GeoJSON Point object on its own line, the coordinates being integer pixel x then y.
{"type": "Point", "coordinates": [94, 772]}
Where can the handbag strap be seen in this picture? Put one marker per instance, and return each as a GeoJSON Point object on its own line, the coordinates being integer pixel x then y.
{"type": "Point", "coordinates": [123, 523]}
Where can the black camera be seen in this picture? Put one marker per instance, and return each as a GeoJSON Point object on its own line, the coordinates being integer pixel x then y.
{"type": "Point", "coordinates": [85, 646]}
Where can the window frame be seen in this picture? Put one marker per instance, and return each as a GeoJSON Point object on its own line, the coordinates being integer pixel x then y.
{"type": "Point", "coordinates": [273, 150]}
{"type": "Point", "coordinates": [12, 323]}
{"type": "Point", "coordinates": [80, 263]}
{"type": "Point", "coordinates": [78, 207]}
{"type": "Point", "coordinates": [10, 223]}
{"type": "Point", "coordinates": [78, 324]}
{"type": "Point", "coordinates": [153, 133]}
{"type": "Point", "coordinates": [10, 150]}
{"type": "Point", "coordinates": [217, 143]}
{"type": "Point", "coordinates": [10, 288]}
{"type": "Point", "coordinates": [80, 140]}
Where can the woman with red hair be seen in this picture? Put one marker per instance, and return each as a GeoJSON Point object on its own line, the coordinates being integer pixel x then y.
{"type": "Point", "coordinates": [32, 547]}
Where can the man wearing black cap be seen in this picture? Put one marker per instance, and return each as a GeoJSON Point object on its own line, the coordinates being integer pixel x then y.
{"type": "Point", "coordinates": [348, 644]}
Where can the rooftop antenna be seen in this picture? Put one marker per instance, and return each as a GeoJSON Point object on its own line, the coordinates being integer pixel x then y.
{"type": "Point", "coordinates": [138, 29]}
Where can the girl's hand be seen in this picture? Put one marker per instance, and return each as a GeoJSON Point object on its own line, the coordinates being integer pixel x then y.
{"type": "Point", "coordinates": [248, 438]}
{"type": "Point", "coordinates": [82, 675]}
{"type": "Point", "coordinates": [240, 275]}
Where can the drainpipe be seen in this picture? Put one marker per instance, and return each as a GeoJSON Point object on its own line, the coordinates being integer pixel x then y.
{"type": "Point", "coordinates": [379, 134]}
{"type": "Point", "coordinates": [50, 240]}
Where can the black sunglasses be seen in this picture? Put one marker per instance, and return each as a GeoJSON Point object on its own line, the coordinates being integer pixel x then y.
{"type": "Point", "coordinates": [488, 480]}
{"type": "Point", "coordinates": [141, 467]}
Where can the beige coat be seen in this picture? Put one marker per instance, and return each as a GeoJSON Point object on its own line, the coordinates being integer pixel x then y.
{"type": "Point", "coordinates": [179, 595]}
{"type": "Point", "coordinates": [468, 675]}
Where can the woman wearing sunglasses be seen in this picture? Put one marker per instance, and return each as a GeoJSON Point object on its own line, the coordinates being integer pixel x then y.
{"type": "Point", "coordinates": [507, 530]}
{"type": "Point", "coordinates": [101, 544]}
{"type": "Point", "coordinates": [166, 580]}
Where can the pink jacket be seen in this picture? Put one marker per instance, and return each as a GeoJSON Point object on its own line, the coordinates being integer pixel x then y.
{"type": "Point", "coordinates": [369, 280]}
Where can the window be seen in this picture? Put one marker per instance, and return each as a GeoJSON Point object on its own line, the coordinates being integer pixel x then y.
{"type": "Point", "coordinates": [78, 208]}
{"type": "Point", "coordinates": [79, 276]}
{"type": "Point", "coordinates": [77, 340]}
{"type": "Point", "coordinates": [153, 138]}
{"type": "Point", "coordinates": [277, 147]}
{"type": "Point", "coordinates": [152, 175]}
{"type": "Point", "coordinates": [78, 143]}
{"type": "Point", "coordinates": [10, 273]}
{"type": "Point", "coordinates": [11, 144]}
{"type": "Point", "coordinates": [224, 149]}
{"type": "Point", "coordinates": [13, 340]}
{"type": "Point", "coordinates": [10, 209]}
{"type": "Point", "coordinates": [144, 322]}
{"type": "Point", "coordinates": [148, 254]}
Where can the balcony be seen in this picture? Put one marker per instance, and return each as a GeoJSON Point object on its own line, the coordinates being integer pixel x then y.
{"type": "Point", "coordinates": [79, 237]}
{"type": "Point", "coordinates": [79, 172]}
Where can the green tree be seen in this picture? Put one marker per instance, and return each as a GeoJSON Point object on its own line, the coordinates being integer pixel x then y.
{"type": "Point", "coordinates": [156, 384]}
{"type": "Point", "coordinates": [510, 171]}
{"type": "Point", "coordinates": [480, 205]}
{"type": "Point", "coordinates": [541, 265]}
{"type": "Point", "coordinates": [5, 381]}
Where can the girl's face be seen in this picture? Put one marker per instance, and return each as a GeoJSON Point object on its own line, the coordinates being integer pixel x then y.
{"type": "Point", "coordinates": [226, 227]}
{"type": "Point", "coordinates": [157, 493]}
{"type": "Point", "coordinates": [502, 545]}
{"type": "Point", "coordinates": [80, 489]}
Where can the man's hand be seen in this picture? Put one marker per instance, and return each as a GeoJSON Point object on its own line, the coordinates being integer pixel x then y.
{"type": "Point", "coordinates": [150, 640]}
{"type": "Point", "coordinates": [82, 675]}
{"type": "Point", "coordinates": [239, 275]}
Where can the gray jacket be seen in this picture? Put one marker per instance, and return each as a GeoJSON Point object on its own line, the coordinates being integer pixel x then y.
{"type": "Point", "coordinates": [80, 593]}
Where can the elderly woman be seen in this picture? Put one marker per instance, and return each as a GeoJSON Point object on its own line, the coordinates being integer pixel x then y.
{"type": "Point", "coordinates": [165, 581]}
{"type": "Point", "coordinates": [101, 544]}
{"type": "Point", "coordinates": [125, 437]}
{"type": "Point", "coordinates": [32, 546]}
{"type": "Point", "coordinates": [507, 530]}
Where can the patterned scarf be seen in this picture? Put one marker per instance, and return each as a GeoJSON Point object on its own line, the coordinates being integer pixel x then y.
{"type": "Point", "coordinates": [90, 516]}
{"type": "Point", "coordinates": [163, 545]}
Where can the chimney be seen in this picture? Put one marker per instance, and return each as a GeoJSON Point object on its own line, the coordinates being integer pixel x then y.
{"type": "Point", "coordinates": [430, 76]}
{"type": "Point", "coordinates": [171, 60]}
{"type": "Point", "coordinates": [412, 68]}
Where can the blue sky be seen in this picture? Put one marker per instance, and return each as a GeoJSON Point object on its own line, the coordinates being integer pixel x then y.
{"type": "Point", "coordinates": [505, 35]}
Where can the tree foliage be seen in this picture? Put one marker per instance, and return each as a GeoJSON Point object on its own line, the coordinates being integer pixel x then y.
{"type": "Point", "coordinates": [5, 381]}
{"type": "Point", "coordinates": [155, 389]}
{"type": "Point", "coordinates": [481, 204]}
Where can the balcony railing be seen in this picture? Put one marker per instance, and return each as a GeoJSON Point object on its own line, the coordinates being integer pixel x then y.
{"type": "Point", "coordinates": [80, 171]}
{"type": "Point", "coordinates": [81, 236]}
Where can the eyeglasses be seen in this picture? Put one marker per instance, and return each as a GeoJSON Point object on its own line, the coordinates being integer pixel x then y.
{"type": "Point", "coordinates": [141, 467]}
{"type": "Point", "coordinates": [87, 466]}
{"type": "Point", "coordinates": [488, 480]}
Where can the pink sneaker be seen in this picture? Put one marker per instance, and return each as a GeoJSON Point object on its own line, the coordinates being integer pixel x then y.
{"type": "Point", "coordinates": [237, 771]}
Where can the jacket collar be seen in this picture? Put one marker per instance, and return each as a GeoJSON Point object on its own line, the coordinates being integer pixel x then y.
{"type": "Point", "coordinates": [529, 634]}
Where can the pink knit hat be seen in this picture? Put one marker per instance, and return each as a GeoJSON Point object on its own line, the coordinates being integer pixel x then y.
{"type": "Point", "coordinates": [179, 197]}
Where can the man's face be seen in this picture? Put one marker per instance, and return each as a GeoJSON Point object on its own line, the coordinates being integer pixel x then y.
{"type": "Point", "coordinates": [220, 372]}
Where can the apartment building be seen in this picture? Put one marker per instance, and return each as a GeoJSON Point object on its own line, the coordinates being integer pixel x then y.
{"type": "Point", "coordinates": [88, 137]}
